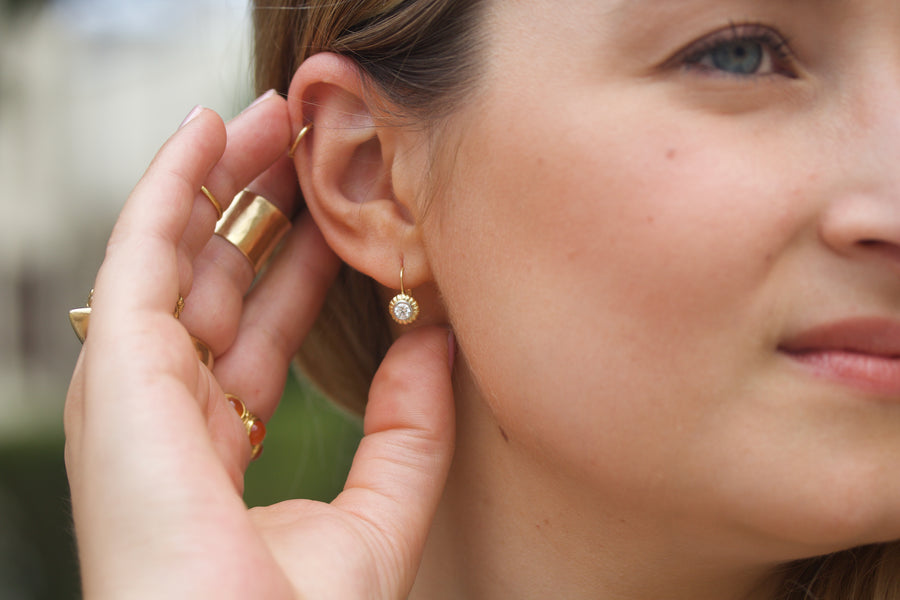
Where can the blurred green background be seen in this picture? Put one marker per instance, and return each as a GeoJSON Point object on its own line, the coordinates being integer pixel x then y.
{"type": "Point", "coordinates": [308, 450]}
{"type": "Point", "coordinates": [89, 89]}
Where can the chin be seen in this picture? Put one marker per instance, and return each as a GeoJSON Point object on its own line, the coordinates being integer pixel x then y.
{"type": "Point", "coordinates": [840, 518]}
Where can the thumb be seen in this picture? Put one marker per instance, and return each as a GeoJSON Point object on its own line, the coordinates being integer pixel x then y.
{"type": "Point", "coordinates": [399, 471]}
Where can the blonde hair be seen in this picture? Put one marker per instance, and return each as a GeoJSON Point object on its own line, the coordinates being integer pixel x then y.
{"type": "Point", "coordinates": [421, 56]}
{"type": "Point", "coordinates": [865, 573]}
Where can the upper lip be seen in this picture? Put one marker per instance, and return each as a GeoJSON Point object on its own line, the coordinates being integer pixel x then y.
{"type": "Point", "coordinates": [873, 336]}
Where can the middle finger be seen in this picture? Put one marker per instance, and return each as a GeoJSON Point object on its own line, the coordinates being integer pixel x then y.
{"type": "Point", "coordinates": [222, 274]}
{"type": "Point", "coordinates": [256, 138]}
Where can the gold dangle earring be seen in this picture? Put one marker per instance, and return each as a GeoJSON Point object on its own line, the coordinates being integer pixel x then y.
{"type": "Point", "coordinates": [403, 308]}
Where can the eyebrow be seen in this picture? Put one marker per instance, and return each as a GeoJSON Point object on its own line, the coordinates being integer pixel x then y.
{"type": "Point", "coordinates": [626, 9]}
{"type": "Point", "coordinates": [626, 5]}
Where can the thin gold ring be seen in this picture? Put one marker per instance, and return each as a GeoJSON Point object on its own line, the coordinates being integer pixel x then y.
{"type": "Point", "coordinates": [212, 200]}
{"type": "Point", "coordinates": [204, 354]}
{"type": "Point", "coordinates": [80, 318]}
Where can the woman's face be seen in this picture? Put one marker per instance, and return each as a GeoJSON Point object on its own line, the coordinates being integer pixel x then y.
{"type": "Point", "coordinates": [671, 254]}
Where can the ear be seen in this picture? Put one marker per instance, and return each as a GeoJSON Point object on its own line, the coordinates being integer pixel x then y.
{"type": "Point", "coordinates": [355, 171]}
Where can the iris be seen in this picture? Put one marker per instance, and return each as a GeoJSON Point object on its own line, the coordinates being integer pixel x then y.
{"type": "Point", "coordinates": [742, 57]}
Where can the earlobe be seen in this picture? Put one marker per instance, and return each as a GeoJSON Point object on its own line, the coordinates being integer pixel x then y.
{"type": "Point", "coordinates": [347, 165]}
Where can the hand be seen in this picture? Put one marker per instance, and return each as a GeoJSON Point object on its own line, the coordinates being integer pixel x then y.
{"type": "Point", "coordinates": [154, 452]}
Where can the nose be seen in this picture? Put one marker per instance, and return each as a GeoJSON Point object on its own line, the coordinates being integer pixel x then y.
{"type": "Point", "coordinates": [864, 226]}
{"type": "Point", "coordinates": [862, 217]}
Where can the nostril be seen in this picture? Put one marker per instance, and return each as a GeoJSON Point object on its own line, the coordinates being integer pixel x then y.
{"type": "Point", "coordinates": [887, 249]}
{"type": "Point", "coordinates": [863, 225]}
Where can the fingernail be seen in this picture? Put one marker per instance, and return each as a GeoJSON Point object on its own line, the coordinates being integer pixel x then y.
{"type": "Point", "coordinates": [451, 350]}
{"type": "Point", "coordinates": [191, 115]}
{"type": "Point", "coordinates": [261, 99]}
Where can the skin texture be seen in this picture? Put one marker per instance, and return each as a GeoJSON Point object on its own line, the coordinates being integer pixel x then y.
{"type": "Point", "coordinates": [627, 239]}
{"type": "Point", "coordinates": [621, 251]}
{"type": "Point", "coordinates": [155, 455]}
{"type": "Point", "coordinates": [645, 235]}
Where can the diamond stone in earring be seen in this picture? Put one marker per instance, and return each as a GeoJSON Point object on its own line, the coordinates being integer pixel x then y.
{"type": "Point", "coordinates": [404, 309]}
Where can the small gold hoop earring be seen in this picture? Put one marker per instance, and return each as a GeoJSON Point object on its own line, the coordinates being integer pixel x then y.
{"type": "Point", "coordinates": [297, 139]}
{"type": "Point", "coordinates": [403, 308]}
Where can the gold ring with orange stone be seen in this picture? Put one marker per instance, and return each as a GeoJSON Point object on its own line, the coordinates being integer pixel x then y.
{"type": "Point", "coordinates": [256, 429]}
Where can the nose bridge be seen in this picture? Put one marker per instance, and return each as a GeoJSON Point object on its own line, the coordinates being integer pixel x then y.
{"type": "Point", "coordinates": [864, 212]}
{"type": "Point", "coordinates": [861, 214]}
{"type": "Point", "coordinates": [870, 112]}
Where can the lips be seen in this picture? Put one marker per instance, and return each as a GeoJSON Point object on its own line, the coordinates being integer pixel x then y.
{"type": "Point", "coordinates": [861, 353]}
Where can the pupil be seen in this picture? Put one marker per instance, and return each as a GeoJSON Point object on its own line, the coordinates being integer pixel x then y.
{"type": "Point", "coordinates": [738, 57]}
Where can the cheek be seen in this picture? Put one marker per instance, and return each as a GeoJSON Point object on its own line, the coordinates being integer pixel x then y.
{"type": "Point", "coordinates": [579, 269]}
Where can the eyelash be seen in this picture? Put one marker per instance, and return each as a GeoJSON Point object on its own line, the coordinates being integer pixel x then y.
{"type": "Point", "coordinates": [779, 47]}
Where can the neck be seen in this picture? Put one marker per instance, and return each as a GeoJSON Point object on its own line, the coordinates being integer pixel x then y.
{"type": "Point", "coordinates": [511, 526]}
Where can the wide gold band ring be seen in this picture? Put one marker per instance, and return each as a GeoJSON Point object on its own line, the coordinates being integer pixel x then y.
{"type": "Point", "coordinates": [254, 225]}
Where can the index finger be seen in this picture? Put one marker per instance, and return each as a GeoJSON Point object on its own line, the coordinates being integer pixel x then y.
{"type": "Point", "coordinates": [140, 270]}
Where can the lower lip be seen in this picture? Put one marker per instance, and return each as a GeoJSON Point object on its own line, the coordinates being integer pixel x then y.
{"type": "Point", "coordinates": [879, 375]}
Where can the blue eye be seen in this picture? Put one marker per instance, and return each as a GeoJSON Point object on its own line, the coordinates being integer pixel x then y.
{"type": "Point", "coordinates": [741, 57]}
{"type": "Point", "coordinates": [742, 51]}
